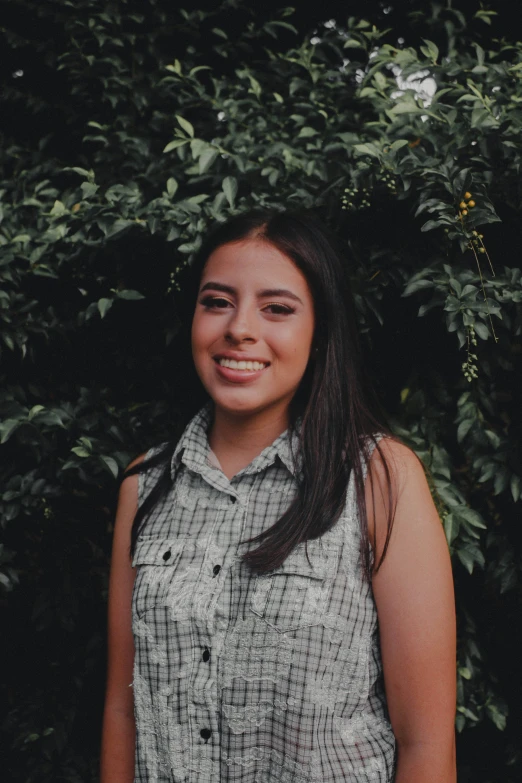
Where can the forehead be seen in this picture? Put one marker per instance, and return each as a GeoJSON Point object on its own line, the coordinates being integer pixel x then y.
{"type": "Point", "coordinates": [255, 261]}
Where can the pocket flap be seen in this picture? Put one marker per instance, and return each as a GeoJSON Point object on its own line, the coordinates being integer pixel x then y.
{"type": "Point", "coordinates": [157, 551]}
{"type": "Point", "coordinates": [321, 563]}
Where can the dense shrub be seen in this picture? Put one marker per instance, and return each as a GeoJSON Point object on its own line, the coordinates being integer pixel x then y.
{"type": "Point", "coordinates": [134, 128]}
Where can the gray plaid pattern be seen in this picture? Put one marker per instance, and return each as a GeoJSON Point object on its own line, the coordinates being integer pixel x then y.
{"type": "Point", "coordinates": [248, 678]}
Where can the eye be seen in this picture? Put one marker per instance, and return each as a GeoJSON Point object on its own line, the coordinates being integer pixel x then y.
{"type": "Point", "coordinates": [276, 308]}
{"type": "Point", "coordinates": [214, 302]}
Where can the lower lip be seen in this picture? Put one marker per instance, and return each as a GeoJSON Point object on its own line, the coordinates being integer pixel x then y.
{"type": "Point", "coordinates": [238, 376]}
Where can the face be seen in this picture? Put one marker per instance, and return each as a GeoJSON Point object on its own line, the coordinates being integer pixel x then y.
{"type": "Point", "coordinates": [252, 329]}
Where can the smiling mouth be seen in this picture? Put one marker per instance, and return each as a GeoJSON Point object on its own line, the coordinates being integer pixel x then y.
{"type": "Point", "coordinates": [245, 366]}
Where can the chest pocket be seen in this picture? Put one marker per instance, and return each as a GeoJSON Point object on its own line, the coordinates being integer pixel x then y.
{"type": "Point", "coordinates": [296, 594]}
{"type": "Point", "coordinates": [156, 561]}
{"type": "Point", "coordinates": [182, 574]}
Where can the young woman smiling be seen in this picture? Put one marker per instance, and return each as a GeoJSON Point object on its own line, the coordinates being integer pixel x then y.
{"type": "Point", "coordinates": [288, 614]}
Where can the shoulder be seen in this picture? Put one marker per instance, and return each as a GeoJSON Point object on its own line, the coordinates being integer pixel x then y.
{"type": "Point", "coordinates": [129, 483]}
{"type": "Point", "coordinates": [391, 460]}
{"type": "Point", "coordinates": [396, 484]}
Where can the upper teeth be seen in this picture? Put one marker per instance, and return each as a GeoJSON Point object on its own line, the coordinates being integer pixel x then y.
{"type": "Point", "coordinates": [232, 364]}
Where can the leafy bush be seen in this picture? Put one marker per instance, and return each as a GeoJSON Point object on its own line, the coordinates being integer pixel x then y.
{"type": "Point", "coordinates": [135, 130]}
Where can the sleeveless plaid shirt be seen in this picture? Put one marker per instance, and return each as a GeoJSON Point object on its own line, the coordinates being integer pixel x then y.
{"type": "Point", "coordinates": [238, 677]}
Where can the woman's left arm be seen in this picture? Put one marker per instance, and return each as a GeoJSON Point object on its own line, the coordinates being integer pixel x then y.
{"type": "Point", "coordinates": [414, 595]}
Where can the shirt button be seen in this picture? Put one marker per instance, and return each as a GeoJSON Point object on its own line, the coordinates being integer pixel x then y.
{"type": "Point", "coordinates": [205, 734]}
{"type": "Point", "coordinates": [206, 654]}
{"type": "Point", "coordinates": [216, 570]}
{"type": "Point", "coordinates": [166, 555]}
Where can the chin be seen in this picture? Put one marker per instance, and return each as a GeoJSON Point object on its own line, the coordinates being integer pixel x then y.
{"type": "Point", "coordinates": [239, 407]}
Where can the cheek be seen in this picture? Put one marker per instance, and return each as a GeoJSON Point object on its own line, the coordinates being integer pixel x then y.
{"type": "Point", "coordinates": [295, 347]}
{"type": "Point", "coordinates": [201, 331]}
{"type": "Point", "coordinates": [199, 341]}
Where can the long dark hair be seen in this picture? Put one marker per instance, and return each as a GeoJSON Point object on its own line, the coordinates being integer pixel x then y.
{"type": "Point", "coordinates": [335, 402]}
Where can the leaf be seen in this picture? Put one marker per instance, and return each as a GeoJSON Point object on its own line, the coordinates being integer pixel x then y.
{"type": "Point", "coordinates": [463, 429]}
{"type": "Point", "coordinates": [417, 285]}
{"type": "Point", "coordinates": [407, 106]}
{"type": "Point", "coordinates": [172, 145]}
{"type": "Point", "coordinates": [367, 149]}
{"type": "Point", "coordinates": [207, 159]}
{"type": "Point", "coordinates": [58, 209]}
{"type": "Point", "coordinates": [186, 247]}
{"type": "Point", "coordinates": [35, 410]}
{"type": "Point", "coordinates": [172, 186]}
{"type": "Point", "coordinates": [284, 25]}
{"type": "Point", "coordinates": [80, 451]}
{"type": "Point", "coordinates": [130, 294]}
{"type": "Point", "coordinates": [430, 50]}
{"type": "Point", "coordinates": [229, 186]}
{"type": "Point", "coordinates": [468, 290]}
{"type": "Point", "coordinates": [482, 330]}
{"type": "Point", "coordinates": [88, 189]}
{"type": "Point", "coordinates": [111, 464]}
{"type": "Point", "coordinates": [185, 125]}
{"type": "Point", "coordinates": [380, 80]}
{"type": "Point", "coordinates": [7, 428]}
{"type": "Point", "coordinates": [430, 225]}
{"type": "Point", "coordinates": [104, 305]}
{"type": "Point", "coordinates": [197, 199]}
{"type": "Point", "coordinates": [306, 132]}
{"type": "Point", "coordinates": [466, 559]}
{"type": "Point", "coordinates": [451, 528]}
{"type": "Point", "coordinates": [197, 147]}
{"type": "Point", "coordinates": [472, 517]}
{"type": "Point", "coordinates": [398, 144]}
{"type": "Point", "coordinates": [78, 170]}
{"type": "Point", "coordinates": [498, 718]}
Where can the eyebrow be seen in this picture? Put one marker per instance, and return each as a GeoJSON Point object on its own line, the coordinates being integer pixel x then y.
{"type": "Point", "coordinates": [266, 292]}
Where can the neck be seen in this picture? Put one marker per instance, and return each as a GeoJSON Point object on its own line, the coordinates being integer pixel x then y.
{"type": "Point", "coordinates": [237, 440]}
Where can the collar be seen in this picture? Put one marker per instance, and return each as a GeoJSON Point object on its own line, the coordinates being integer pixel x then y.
{"type": "Point", "coordinates": [193, 447]}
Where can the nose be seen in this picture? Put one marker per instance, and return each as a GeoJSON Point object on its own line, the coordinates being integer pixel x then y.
{"type": "Point", "coordinates": [242, 326]}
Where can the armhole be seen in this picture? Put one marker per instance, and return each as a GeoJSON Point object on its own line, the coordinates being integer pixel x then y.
{"type": "Point", "coordinates": [371, 443]}
{"type": "Point", "coordinates": [148, 478]}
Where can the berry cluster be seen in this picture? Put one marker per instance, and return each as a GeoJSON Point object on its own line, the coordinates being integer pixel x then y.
{"type": "Point", "coordinates": [469, 367]}
{"type": "Point", "coordinates": [355, 198]}
{"type": "Point", "coordinates": [389, 181]}
{"type": "Point", "coordinates": [476, 242]}
{"type": "Point", "coordinates": [466, 204]}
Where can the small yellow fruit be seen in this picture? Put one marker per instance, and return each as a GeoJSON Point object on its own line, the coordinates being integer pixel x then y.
{"type": "Point", "coordinates": [464, 211]}
{"type": "Point", "coordinates": [471, 204]}
{"type": "Point", "coordinates": [467, 194]}
{"type": "Point", "coordinates": [75, 208]}
{"type": "Point", "coordinates": [463, 205]}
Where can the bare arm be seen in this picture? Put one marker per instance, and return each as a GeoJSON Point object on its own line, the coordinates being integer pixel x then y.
{"type": "Point", "coordinates": [415, 603]}
{"type": "Point", "coordinates": [118, 734]}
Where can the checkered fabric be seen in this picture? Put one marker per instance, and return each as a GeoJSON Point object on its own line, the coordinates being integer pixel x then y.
{"type": "Point", "coordinates": [248, 678]}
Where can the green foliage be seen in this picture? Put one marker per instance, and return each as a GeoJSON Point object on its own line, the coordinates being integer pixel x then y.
{"type": "Point", "coordinates": [161, 123]}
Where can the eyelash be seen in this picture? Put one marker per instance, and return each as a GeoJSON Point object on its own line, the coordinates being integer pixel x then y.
{"type": "Point", "coordinates": [211, 303]}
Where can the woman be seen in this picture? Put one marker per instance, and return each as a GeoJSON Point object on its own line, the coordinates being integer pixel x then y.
{"type": "Point", "coordinates": [290, 590]}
